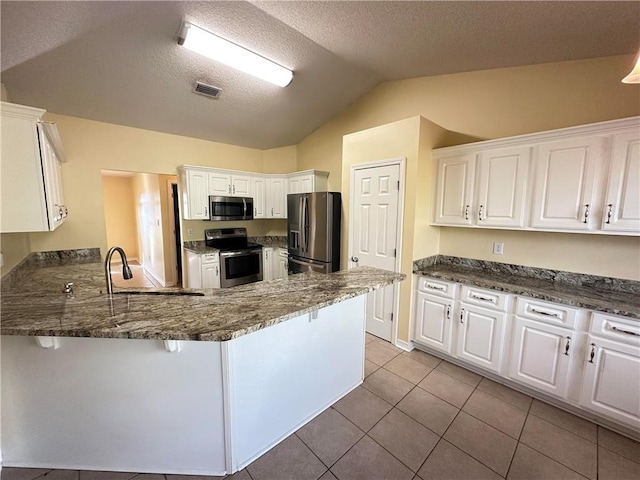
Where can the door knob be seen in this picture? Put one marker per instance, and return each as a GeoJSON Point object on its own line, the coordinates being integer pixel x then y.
{"type": "Point", "coordinates": [354, 259]}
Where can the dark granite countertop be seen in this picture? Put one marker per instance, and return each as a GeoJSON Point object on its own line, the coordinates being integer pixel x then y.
{"type": "Point", "coordinates": [270, 241]}
{"type": "Point", "coordinates": [35, 304]}
{"type": "Point", "coordinates": [602, 294]}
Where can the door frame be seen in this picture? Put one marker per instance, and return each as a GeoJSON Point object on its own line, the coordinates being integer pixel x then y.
{"type": "Point", "coordinates": [401, 162]}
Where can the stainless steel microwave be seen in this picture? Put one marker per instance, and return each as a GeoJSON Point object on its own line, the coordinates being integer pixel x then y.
{"type": "Point", "coordinates": [230, 208]}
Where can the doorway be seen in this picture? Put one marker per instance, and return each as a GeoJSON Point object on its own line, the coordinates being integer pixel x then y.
{"type": "Point", "coordinates": [175, 228]}
{"type": "Point", "coordinates": [375, 228]}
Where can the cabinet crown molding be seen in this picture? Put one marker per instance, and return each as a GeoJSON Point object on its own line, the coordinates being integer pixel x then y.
{"type": "Point", "coordinates": [245, 172]}
{"type": "Point", "coordinates": [21, 111]}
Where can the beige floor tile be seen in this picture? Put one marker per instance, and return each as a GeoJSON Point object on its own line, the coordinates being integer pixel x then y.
{"type": "Point", "coordinates": [97, 475]}
{"type": "Point", "coordinates": [571, 450]}
{"type": "Point", "coordinates": [9, 473]}
{"type": "Point", "coordinates": [619, 444]}
{"type": "Point", "coordinates": [388, 386]}
{"type": "Point", "coordinates": [289, 460]}
{"type": "Point", "coordinates": [408, 369]}
{"type": "Point", "coordinates": [330, 435]}
{"type": "Point", "coordinates": [367, 461]}
{"type": "Point", "coordinates": [241, 475]}
{"type": "Point", "coordinates": [528, 464]}
{"type": "Point", "coordinates": [379, 354]}
{"type": "Point", "coordinates": [501, 415]}
{"type": "Point", "coordinates": [459, 373]}
{"type": "Point", "coordinates": [405, 438]}
{"type": "Point", "coordinates": [328, 476]}
{"type": "Point", "coordinates": [369, 367]}
{"type": "Point", "coordinates": [369, 338]}
{"type": "Point", "coordinates": [447, 388]}
{"type": "Point", "coordinates": [363, 408]}
{"type": "Point", "coordinates": [149, 476]}
{"type": "Point", "coordinates": [483, 442]}
{"type": "Point", "coordinates": [423, 357]}
{"type": "Point", "coordinates": [62, 475]}
{"type": "Point", "coordinates": [451, 463]}
{"type": "Point", "coordinates": [505, 394]}
{"type": "Point", "coordinates": [431, 411]}
{"type": "Point", "coordinates": [566, 420]}
{"type": "Point", "coordinates": [612, 466]}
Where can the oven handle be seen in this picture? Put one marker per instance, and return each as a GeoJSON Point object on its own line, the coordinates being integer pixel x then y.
{"type": "Point", "coordinates": [237, 253]}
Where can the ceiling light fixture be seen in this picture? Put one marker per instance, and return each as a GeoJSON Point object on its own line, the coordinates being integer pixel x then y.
{"type": "Point", "coordinates": [206, 43]}
{"type": "Point", "coordinates": [634, 74]}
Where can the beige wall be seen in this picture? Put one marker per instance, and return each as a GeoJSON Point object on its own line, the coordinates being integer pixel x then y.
{"type": "Point", "coordinates": [280, 160]}
{"type": "Point", "coordinates": [493, 104]}
{"type": "Point", "coordinates": [14, 247]}
{"type": "Point", "coordinates": [120, 214]}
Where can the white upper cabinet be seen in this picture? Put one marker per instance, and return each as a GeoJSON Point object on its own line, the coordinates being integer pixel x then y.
{"type": "Point", "coordinates": [276, 197]}
{"type": "Point", "coordinates": [565, 194]}
{"type": "Point", "coordinates": [579, 179]}
{"type": "Point", "coordinates": [307, 182]}
{"type": "Point", "coordinates": [31, 189]}
{"type": "Point", "coordinates": [241, 185]}
{"type": "Point", "coordinates": [622, 201]}
{"type": "Point", "coordinates": [454, 190]}
{"type": "Point", "coordinates": [195, 194]}
{"type": "Point", "coordinates": [259, 194]}
{"type": "Point", "coordinates": [219, 183]}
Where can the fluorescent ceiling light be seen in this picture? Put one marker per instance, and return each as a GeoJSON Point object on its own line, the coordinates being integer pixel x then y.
{"type": "Point", "coordinates": [634, 75]}
{"type": "Point", "coordinates": [217, 48]}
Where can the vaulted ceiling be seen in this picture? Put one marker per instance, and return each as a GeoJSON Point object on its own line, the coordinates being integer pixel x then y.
{"type": "Point", "coordinates": [119, 62]}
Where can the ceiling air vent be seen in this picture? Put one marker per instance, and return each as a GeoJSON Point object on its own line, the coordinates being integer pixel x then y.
{"type": "Point", "coordinates": [207, 90]}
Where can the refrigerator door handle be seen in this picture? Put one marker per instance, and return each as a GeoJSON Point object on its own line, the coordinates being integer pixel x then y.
{"type": "Point", "coordinates": [301, 223]}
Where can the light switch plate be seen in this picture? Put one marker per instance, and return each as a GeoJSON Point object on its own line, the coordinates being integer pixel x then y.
{"type": "Point", "coordinates": [190, 232]}
{"type": "Point", "coordinates": [498, 248]}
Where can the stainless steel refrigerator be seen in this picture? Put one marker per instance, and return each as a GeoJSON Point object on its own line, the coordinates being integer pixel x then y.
{"type": "Point", "coordinates": [313, 227]}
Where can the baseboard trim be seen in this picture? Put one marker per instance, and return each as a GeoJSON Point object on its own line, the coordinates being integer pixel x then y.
{"type": "Point", "coordinates": [406, 346]}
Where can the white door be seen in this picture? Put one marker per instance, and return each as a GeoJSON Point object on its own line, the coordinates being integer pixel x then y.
{"type": "Point", "coordinates": [565, 183]}
{"type": "Point", "coordinates": [375, 222]}
{"type": "Point", "coordinates": [219, 184]}
{"type": "Point", "coordinates": [502, 187]}
{"type": "Point", "coordinates": [480, 336]}
{"type": "Point", "coordinates": [434, 321]}
{"type": "Point", "coordinates": [454, 190]}
{"type": "Point", "coordinates": [540, 356]}
{"type": "Point", "coordinates": [622, 205]}
{"type": "Point", "coordinates": [611, 382]}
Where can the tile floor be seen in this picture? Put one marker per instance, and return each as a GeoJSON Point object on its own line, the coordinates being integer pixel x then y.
{"type": "Point", "coordinates": [419, 418]}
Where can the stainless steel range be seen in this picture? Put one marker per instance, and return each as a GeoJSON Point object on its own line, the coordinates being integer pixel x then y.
{"type": "Point", "coordinates": [240, 260]}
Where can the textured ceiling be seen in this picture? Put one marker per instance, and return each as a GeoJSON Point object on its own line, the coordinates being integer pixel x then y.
{"type": "Point", "coordinates": [119, 62]}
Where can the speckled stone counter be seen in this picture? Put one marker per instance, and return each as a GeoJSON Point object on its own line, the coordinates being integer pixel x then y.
{"type": "Point", "coordinates": [604, 294]}
{"type": "Point", "coordinates": [35, 305]}
{"type": "Point", "coordinates": [198, 246]}
{"type": "Point", "coordinates": [270, 241]}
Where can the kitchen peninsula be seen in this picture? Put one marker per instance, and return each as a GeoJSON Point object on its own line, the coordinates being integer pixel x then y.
{"type": "Point", "coordinates": [171, 383]}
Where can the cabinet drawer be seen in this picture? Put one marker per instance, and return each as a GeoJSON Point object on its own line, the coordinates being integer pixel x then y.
{"type": "Point", "coordinates": [545, 312]}
{"type": "Point", "coordinates": [614, 327]}
{"type": "Point", "coordinates": [485, 298]}
{"type": "Point", "coordinates": [207, 258]}
{"type": "Point", "coordinates": [437, 287]}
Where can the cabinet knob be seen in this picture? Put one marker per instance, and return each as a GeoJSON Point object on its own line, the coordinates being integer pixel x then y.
{"type": "Point", "coordinates": [354, 259]}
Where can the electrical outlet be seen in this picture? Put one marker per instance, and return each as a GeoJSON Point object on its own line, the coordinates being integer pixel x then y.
{"type": "Point", "coordinates": [498, 248]}
{"type": "Point", "coordinates": [189, 232]}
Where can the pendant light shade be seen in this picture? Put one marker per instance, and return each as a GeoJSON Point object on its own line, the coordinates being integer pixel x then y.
{"type": "Point", "coordinates": [634, 75]}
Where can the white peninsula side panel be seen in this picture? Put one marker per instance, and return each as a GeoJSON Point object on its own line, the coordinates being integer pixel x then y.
{"type": "Point", "coordinates": [281, 377]}
{"type": "Point", "coordinates": [112, 404]}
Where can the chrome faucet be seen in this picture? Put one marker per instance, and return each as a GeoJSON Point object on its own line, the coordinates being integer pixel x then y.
{"type": "Point", "coordinates": [126, 271]}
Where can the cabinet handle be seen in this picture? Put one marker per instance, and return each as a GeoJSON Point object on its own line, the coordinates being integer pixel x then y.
{"type": "Point", "coordinates": [448, 312]}
{"type": "Point", "coordinates": [234, 189]}
{"type": "Point", "coordinates": [586, 213]}
{"type": "Point", "coordinates": [229, 188]}
{"type": "Point", "coordinates": [66, 210]}
{"type": "Point", "coordinates": [609, 212]}
{"type": "Point", "coordinates": [593, 352]}
{"type": "Point", "coordinates": [462, 315]}
{"type": "Point", "coordinates": [255, 212]}
{"type": "Point", "coordinates": [566, 347]}
{"type": "Point", "coordinates": [466, 212]}
{"type": "Point", "coordinates": [542, 312]}
{"type": "Point", "coordinates": [206, 211]}
{"type": "Point", "coordinates": [216, 270]}
{"type": "Point", "coordinates": [625, 331]}
{"type": "Point", "coordinates": [480, 213]}
{"type": "Point", "coordinates": [272, 211]}
{"type": "Point", "coordinates": [484, 299]}
{"type": "Point", "coordinates": [436, 287]}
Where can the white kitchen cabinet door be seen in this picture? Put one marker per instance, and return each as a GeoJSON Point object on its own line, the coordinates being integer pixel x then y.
{"type": "Point", "coordinates": [611, 381]}
{"type": "Point", "coordinates": [479, 338]}
{"type": "Point", "coordinates": [57, 211]}
{"type": "Point", "coordinates": [210, 275]}
{"type": "Point", "coordinates": [622, 202]}
{"type": "Point", "coordinates": [283, 263]}
{"type": "Point", "coordinates": [301, 184]}
{"type": "Point", "coordinates": [434, 321]}
{"type": "Point", "coordinates": [503, 175]}
{"type": "Point", "coordinates": [540, 356]}
{"type": "Point", "coordinates": [276, 197]}
{"type": "Point", "coordinates": [267, 264]}
{"type": "Point", "coordinates": [241, 185]}
{"type": "Point", "coordinates": [259, 194]}
{"type": "Point", "coordinates": [197, 192]}
{"type": "Point", "coordinates": [194, 272]}
{"type": "Point", "coordinates": [454, 190]}
{"type": "Point", "coordinates": [565, 183]}
{"type": "Point", "coordinates": [294, 185]}
{"type": "Point", "coordinates": [219, 183]}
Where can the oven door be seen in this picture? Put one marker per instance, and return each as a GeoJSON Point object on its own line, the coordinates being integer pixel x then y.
{"type": "Point", "coordinates": [230, 208]}
{"type": "Point", "coordinates": [242, 266]}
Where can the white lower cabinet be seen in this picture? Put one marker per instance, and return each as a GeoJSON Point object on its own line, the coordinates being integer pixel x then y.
{"type": "Point", "coordinates": [283, 263]}
{"type": "Point", "coordinates": [480, 333]}
{"type": "Point", "coordinates": [434, 321]}
{"type": "Point", "coordinates": [203, 270]}
{"type": "Point", "coordinates": [267, 264]}
{"type": "Point", "coordinates": [540, 356]}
